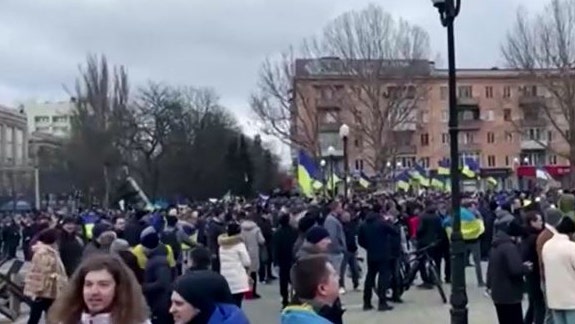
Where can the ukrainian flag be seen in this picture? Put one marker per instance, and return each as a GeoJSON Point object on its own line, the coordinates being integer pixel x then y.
{"type": "Point", "coordinates": [471, 226]}
{"type": "Point", "coordinates": [364, 180]}
{"type": "Point", "coordinates": [470, 168]}
{"type": "Point", "coordinates": [436, 183]}
{"type": "Point", "coordinates": [443, 168]}
{"type": "Point", "coordinates": [402, 181]}
{"type": "Point", "coordinates": [307, 171]}
{"type": "Point", "coordinates": [420, 174]}
{"type": "Point", "coordinates": [332, 181]}
{"type": "Point", "coordinates": [491, 181]}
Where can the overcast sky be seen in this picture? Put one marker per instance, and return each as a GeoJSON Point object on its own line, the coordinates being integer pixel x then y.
{"type": "Point", "coordinates": [216, 43]}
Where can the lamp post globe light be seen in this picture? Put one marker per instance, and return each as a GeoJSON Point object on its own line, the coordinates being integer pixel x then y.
{"type": "Point", "coordinates": [331, 155]}
{"type": "Point", "coordinates": [448, 10]}
{"type": "Point", "coordinates": [344, 135]}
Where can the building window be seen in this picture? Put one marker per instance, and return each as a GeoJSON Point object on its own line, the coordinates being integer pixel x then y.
{"type": "Point", "coordinates": [60, 119]}
{"type": "Point", "coordinates": [425, 139]}
{"type": "Point", "coordinates": [490, 137]}
{"type": "Point", "coordinates": [549, 136]}
{"type": "Point", "coordinates": [489, 115]}
{"type": "Point", "coordinates": [328, 116]}
{"type": "Point", "coordinates": [445, 138]}
{"type": "Point", "coordinates": [489, 92]}
{"type": "Point", "coordinates": [42, 119]}
{"type": "Point", "coordinates": [507, 114]}
{"type": "Point", "coordinates": [466, 138]}
{"type": "Point", "coordinates": [407, 161]}
{"type": "Point", "coordinates": [443, 93]}
{"type": "Point", "coordinates": [358, 142]}
{"type": "Point", "coordinates": [465, 92]}
{"type": "Point", "coordinates": [424, 162]}
{"type": "Point", "coordinates": [552, 159]}
{"type": "Point", "coordinates": [533, 134]}
{"type": "Point", "coordinates": [444, 115]}
{"type": "Point", "coordinates": [491, 160]}
{"type": "Point", "coordinates": [529, 91]}
{"type": "Point", "coordinates": [425, 116]}
{"type": "Point", "coordinates": [359, 164]}
{"type": "Point", "coordinates": [507, 92]}
{"type": "Point", "coordinates": [508, 137]}
{"type": "Point", "coordinates": [507, 160]}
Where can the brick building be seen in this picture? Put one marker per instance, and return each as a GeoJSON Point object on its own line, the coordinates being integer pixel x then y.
{"type": "Point", "coordinates": [502, 121]}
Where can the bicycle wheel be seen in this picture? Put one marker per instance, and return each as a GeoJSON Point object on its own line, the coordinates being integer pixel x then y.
{"type": "Point", "coordinates": [432, 270]}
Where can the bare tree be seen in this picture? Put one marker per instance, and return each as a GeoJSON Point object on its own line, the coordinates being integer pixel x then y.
{"type": "Point", "coordinates": [101, 102]}
{"type": "Point", "coordinates": [286, 110]}
{"type": "Point", "coordinates": [384, 58]}
{"type": "Point", "coordinates": [542, 47]}
{"type": "Point", "coordinates": [387, 59]}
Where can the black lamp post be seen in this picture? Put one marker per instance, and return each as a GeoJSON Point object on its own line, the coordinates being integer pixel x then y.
{"type": "Point", "coordinates": [448, 10]}
{"type": "Point", "coordinates": [344, 134]}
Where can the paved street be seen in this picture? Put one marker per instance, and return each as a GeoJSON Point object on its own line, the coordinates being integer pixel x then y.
{"type": "Point", "coordinates": [421, 306]}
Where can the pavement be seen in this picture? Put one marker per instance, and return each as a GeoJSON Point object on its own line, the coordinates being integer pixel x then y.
{"type": "Point", "coordinates": [420, 306]}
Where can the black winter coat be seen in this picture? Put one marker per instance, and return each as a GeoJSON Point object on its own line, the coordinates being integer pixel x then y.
{"type": "Point", "coordinates": [376, 237]}
{"type": "Point", "coordinates": [157, 286]}
{"type": "Point", "coordinates": [283, 245]}
{"type": "Point", "coordinates": [505, 271]}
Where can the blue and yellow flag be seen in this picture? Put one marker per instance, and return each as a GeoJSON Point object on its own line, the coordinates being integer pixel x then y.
{"type": "Point", "coordinates": [418, 173]}
{"type": "Point", "coordinates": [402, 180]}
{"type": "Point", "coordinates": [443, 168]}
{"type": "Point", "coordinates": [364, 180]}
{"type": "Point", "coordinates": [307, 172]}
{"type": "Point", "coordinates": [470, 168]}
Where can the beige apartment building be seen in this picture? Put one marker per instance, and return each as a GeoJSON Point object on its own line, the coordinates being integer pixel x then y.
{"type": "Point", "coordinates": [501, 120]}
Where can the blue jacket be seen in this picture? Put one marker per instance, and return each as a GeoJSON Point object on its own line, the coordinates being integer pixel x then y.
{"type": "Point", "coordinates": [228, 314]}
{"type": "Point", "coordinates": [301, 314]}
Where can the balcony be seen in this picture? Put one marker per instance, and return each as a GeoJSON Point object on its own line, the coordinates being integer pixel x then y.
{"type": "Point", "coordinates": [468, 102]}
{"type": "Point", "coordinates": [405, 127]}
{"type": "Point", "coordinates": [469, 146]}
{"type": "Point", "coordinates": [329, 127]}
{"type": "Point", "coordinates": [539, 122]}
{"type": "Point", "coordinates": [528, 101]}
{"type": "Point", "coordinates": [406, 149]}
{"type": "Point", "coordinates": [470, 124]}
{"type": "Point", "coordinates": [333, 102]}
{"type": "Point", "coordinates": [533, 145]}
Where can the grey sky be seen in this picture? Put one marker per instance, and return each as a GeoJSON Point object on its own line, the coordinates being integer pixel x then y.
{"type": "Point", "coordinates": [217, 43]}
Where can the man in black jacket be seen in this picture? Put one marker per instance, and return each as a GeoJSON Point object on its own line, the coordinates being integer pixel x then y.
{"type": "Point", "coordinates": [430, 231]}
{"type": "Point", "coordinates": [283, 242]}
{"type": "Point", "coordinates": [505, 273]}
{"type": "Point", "coordinates": [70, 246]}
{"type": "Point", "coordinates": [374, 236]}
{"type": "Point", "coordinates": [350, 230]}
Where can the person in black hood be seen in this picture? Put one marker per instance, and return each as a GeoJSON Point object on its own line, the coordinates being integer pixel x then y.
{"type": "Point", "coordinates": [430, 231]}
{"type": "Point", "coordinates": [374, 236]}
{"type": "Point", "coordinates": [70, 245]}
{"type": "Point", "coordinates": [536, 310]}
{"type": "Point", "coordinates": [505, 273]}
{"type": "Point", "coordinates": [134, 228]}
{"type": "Point", "coordinates": [283, 242]}
{"type": "Point", "coordinates": [194, 301]}
{"type": "Point", "coordinates": [216, 226]}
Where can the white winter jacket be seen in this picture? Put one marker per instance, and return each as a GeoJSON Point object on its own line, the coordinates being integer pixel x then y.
{"type": "Point", "coordinates": [234, 259]}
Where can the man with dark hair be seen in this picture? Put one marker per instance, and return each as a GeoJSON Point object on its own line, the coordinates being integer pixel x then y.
{"type": "Point", "coordinates": [316, 283]}
{"type": "Point", "coordinates": [201, 259]}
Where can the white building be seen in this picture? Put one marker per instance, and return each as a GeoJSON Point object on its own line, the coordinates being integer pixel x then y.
{"type": "Point", "coordinates": [50, 117]}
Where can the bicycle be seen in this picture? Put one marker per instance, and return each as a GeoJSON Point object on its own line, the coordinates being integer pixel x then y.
{"type": "Point", "coordinates": [410, 264]}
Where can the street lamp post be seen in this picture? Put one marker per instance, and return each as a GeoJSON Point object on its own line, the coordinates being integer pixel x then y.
{"type": "Point", "coordinates": [331, 154]}
{"type": "Point", "coordinates": [322, 164]}
{"type": "Point", "coordinates": [344, 134]}
{"type": "Point", "coordinates": [448, 10]}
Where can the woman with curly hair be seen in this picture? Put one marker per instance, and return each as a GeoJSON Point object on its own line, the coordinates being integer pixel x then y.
{"type": "Point", "coordinates": [103, 290]}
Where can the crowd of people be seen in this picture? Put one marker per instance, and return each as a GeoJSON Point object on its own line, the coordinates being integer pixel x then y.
{"type": "Point", "coordinates": [197, 264]}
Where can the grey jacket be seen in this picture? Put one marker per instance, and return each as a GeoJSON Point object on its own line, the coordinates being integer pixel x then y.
{"type": "Point", "coordinates": [336, 234]}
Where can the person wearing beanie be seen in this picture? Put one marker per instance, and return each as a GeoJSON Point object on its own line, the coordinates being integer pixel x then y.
{"type": "Point", "coordinates": [283, 242]}
{"type": "Point", "coordinates": [158, 273]}
{"type": "Point", "coordinates": [121, 248]}
{"type": "Point", "coordinates": [505, 273]}
{"type": "Point", "coordinates": [102, 237]}
{"type": "Point", "coordinates": [194, 301]}
{"type": "Point", "coordinates": [150, 244]}
{"type": "Point", "coordinates": [234, 261]}
{"type": "Point", "coordinates": [552, 217]}
{"type": "Point", "coordinates": [70, 245]}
